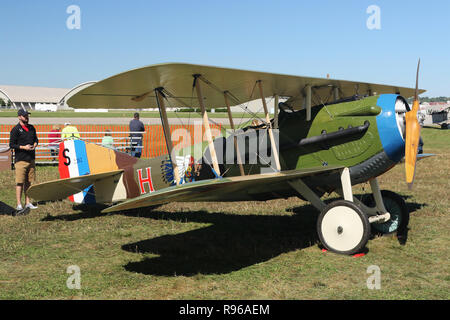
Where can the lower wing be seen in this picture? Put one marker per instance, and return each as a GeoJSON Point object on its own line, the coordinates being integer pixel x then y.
{"type": "Point", "coordinates": [214, 189]}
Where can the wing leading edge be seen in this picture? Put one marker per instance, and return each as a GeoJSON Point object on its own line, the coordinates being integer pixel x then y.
{"type": "Point", "coordinates": [134, 89]}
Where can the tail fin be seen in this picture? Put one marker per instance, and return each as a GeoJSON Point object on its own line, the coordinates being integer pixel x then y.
{"type": "Point", "coordinates": [78, 158]}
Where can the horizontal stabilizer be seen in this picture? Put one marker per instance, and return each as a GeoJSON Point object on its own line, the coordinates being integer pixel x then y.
{"type": "Point", "coordinates": [215, 189]}
{"type": "Point", "coordinates": [60, 189]}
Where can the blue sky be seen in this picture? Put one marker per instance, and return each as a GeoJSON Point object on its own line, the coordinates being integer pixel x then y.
{"type": "Point", "coordinates": [310, 38]}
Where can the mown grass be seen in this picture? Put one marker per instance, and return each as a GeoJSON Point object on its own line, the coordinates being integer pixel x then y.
{"type": "Point", "coordinates": [245, 250]}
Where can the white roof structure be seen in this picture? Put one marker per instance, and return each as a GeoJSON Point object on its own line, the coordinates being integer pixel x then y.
{"type": "Point", "coordinates": [28, 97]}
{"type": "Point", "coordinates": [32, 94]}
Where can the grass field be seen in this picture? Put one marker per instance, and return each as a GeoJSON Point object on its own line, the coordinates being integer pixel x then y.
{"type": "Point", "coordinates": [247, 250]}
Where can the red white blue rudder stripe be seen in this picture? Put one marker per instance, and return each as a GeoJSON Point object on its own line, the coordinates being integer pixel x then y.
{"type": "Point", "coordinates": [73, 162]}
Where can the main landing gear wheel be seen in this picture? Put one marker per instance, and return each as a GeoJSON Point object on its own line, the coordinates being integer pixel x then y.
{"type": "Point", "coordinates": [396, 207]}
{"type": "Point", "coordinates": [343, 227]}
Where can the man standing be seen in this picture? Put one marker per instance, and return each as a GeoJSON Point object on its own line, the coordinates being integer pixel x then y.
{"type": "Point", "coordinates": [136, 126]}
{"type": "Point", "coordinates": [23, 140]}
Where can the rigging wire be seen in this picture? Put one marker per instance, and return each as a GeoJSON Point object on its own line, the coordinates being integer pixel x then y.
{"type": "Point", "coordinates": [159, 91]}
{"type": "Point", "coordinates": [317, 96]}
{"type": "Point", "coordinates": [213, 86]}
{"type": "Point", "coordinates": [236, 100]}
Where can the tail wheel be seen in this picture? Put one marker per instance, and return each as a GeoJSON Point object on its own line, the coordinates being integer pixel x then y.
{"type": "Point", "coordinates": [396, 207]}
{"type": "Point", "coordinates": [343, 227]}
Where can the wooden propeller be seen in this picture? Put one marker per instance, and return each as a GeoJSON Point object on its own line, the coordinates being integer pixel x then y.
{"type": "Point", "coordinates": [412, 136]}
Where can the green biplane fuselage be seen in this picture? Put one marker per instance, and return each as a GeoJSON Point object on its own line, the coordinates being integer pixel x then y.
{"type": "Point", "coordinates": [343, 134]}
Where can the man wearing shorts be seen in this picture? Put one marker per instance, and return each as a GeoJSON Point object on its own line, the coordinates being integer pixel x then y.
{"type": "Point", "coordinates": [23, 140]}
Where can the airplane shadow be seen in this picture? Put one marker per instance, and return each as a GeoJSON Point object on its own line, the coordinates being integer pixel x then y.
{"type": "Point", "coordinates": [413, 206]}
{"type": "Point", "coordinates": [230, 243]}
{"type": "Point", "coordinates": [435, 127]}
{"type": "Point", "coordinates": [402, 237]}
{"type": "Point", "coordinates": [86, 212]}
{"type": "Point", "coordinates": [6, 209]}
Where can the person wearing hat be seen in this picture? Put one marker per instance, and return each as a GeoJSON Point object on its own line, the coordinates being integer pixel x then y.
{"type": "Point", "coordinates": [69, 132]}
{"type": "Point", "coordinates": [23, 140]}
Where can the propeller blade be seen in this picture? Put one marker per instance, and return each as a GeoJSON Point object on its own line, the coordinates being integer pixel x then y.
{"type": "Point", "coordinates": [412, 136]}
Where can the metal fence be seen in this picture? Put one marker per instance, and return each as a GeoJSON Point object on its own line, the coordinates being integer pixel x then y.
{"type": "Point", "coordinates": [47, 150]}
{"type": "Point", "coordinates": [153, 141]}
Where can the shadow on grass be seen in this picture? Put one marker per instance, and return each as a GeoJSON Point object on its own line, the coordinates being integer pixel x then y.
{"type": "Point", "coordinates": [85, 212]}
{"type": "Point", "coordinates": [6, 209]}
{"type": "Point", "coordinates": [436, 127]}
{"type": "Point", "coordinates": [413, 206]}
{"type": "Point", "coordinates": [402, 237]}
{"type": "Point", "coordinates": [231, 243]}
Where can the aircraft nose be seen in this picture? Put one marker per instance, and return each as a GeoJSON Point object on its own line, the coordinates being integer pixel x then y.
{"type": "Point", "coordinates": [391, 125]}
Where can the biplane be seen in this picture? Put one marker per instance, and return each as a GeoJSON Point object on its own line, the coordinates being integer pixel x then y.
{"type": "Point", "coordinates": [327, 135]}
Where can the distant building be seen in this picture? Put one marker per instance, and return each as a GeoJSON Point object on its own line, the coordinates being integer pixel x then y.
{"type": "Point", "coordinates": [38, 98]}
{"type": "Point", "coordinates": [434, 112]}
{"type": "Point", "coordinates": [435, 107]}
{"type": "Point", "coordinates": [27, 97]}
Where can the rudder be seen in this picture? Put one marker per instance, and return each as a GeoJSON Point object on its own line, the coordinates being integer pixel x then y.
{"type": "Point", "coordinates": [73, 162]}
{"type": "Point", "coordinates": [78, 158]}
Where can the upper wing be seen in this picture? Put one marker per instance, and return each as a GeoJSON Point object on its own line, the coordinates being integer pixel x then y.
{"type": "Point", "coordinates": [215, 189]}
{"type": "Point", "coordinates": [121, 91]}
{"type": "Point", "coordinates": [60, 189]}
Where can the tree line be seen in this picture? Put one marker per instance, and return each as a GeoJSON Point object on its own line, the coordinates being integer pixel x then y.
{"type": "Point", "coordinates": [431, 99]}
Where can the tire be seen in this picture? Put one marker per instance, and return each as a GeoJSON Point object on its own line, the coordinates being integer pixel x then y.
{"type": "Point", "coordinates": [396, 206]}
{"type": "Point", "coordinates": [343, 228]}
